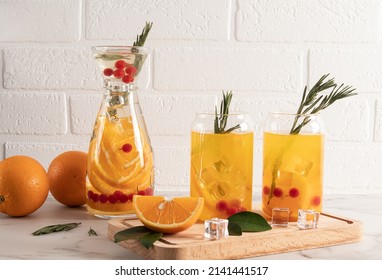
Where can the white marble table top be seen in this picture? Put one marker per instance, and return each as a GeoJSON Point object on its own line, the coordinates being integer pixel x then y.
{"type": "Point", "coordinates": [16, 241]}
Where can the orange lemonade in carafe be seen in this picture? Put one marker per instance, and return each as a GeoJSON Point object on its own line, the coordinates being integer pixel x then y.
{"type": "Point", "coordinates": [118, 168]}
{"type": "Point", "coordinates": [221, 172]}
{"type": "Point", "coordinates": [292, 172]}
{"type": "Point", "coordinates": [120, 160]}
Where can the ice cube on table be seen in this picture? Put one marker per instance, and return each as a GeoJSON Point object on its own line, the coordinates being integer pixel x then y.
{"type": "Point", "coordinates": [216, 228]}
{"type": "Point", "coordinates": [280, 217]}
{"type": "Point", "coordinates": [307, 219]}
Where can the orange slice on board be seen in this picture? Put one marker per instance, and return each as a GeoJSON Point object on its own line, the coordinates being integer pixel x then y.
{"type": "Point", "coordinates": [168, 215]}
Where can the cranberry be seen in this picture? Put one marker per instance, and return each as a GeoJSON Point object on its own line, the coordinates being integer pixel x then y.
{"type": "Point", "coordinates": [316, 200]}
{"type": "Point", "coordinates": [235, 203]}
{"type": "Point", "coordinates": [120, 64]}
{"type": "Point", "coordinates": [112, 199]}
{"type": "Point", "coordinates": [131, 70]}
{"type": "Point", "coordinates": [141, 192]}
{"type": "Point", "coordinates": [293, 192]}
{"type": "Point", "coordinates": [121, 197]}
{"type": "Point", "coordinates": [277, 192]}
{"type": "Point", "coordinates": [127, 79]}
{"type": "Point", "coordinates": [108, 72]}
{"type": "Point", "coordinates": [127, 148]}
{"type": "Point", "coordinates": [103, 198]}
{"type": "Point", "coordinates": [90, 194]}
{"type": "Point", "coordinates": [266, 190]}
{"type": "Point", "coordinates": [130, 197]}
{"type": "Point", "coordinates": [149, 191]}
{"type": "Point", "coordinates": [232, 210]}
{"type": "Point", "coordinates": [119, 73]}
{"type": "Point", "coordinates": [95, 197]}
{"type": "Point", "coordinates": [221, 205]}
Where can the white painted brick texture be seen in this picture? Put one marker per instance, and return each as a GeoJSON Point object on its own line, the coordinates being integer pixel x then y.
{"type": "Point", "coordinates": [227, 68]}
{"type": "Point", "coordinates": [182, 19]}
{"type": "Point", "coordinates": [309, 21]}
{"type": "Point", "coordinates": [265, 51]}
{"type": "Point", "coordinates": [40, 20]}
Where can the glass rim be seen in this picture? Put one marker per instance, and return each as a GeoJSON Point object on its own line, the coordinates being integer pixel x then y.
{"type": "Point", "coordinates": [119, 49]}
{"type": "Point", "coordinates": [235, 113]}
{"type": "Point", "coordinates": [293, 114]}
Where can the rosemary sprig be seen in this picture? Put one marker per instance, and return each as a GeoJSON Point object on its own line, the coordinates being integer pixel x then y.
{"type": "Point", "coordinates": [220, 121]}
{"type": "Point", "coordinates": [55, 228]}
{"type": "Point", "coordinates": [140, 41]}
{"type": "Point", "coordinates": [92, 232]}
{"type": "Point", "coordinates": [313, 102]}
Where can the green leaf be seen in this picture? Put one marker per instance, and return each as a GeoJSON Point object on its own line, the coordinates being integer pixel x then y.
{"type": "Point", "coordinates": [130, 233]}
{"type": "Point", "coordinates": [146, 236]}
{"type": "Point", "coordinates": [55, 228]}
{"type": "Point", "coordinates": [149, 238]}
{"type": "Point", "coordinates": [250, 222]}
{"type": "Point", "coordinates": [234, 229]}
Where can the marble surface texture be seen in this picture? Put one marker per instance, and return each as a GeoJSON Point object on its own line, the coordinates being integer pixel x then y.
{"type": "Point", "coordinates": [16, 241]}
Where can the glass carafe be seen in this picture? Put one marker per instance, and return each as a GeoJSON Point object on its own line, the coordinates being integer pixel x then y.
{"type": "Point", "coordinates": [292, 163]}
{"type": "Point", "coordinates": [120, 159]}
{"type": "Point", "coordinates": [221, 165]}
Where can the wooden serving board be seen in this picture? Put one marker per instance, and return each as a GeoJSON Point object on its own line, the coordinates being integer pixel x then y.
{"type": "Point", "coordinates": [190, 244]}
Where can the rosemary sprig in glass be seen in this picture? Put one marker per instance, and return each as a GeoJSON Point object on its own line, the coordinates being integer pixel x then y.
{"type": "Point", "coordinates": [141, 39]}
{"type": "Point", "coordinates": [221, 118]}
{"type": "Point", "coordinates": [313, 102]}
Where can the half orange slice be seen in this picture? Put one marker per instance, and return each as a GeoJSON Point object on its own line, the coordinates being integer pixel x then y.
{"type": "Point", "coordinates": [168, 215]}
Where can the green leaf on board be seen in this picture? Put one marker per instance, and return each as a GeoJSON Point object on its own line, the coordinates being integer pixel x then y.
{"type": "Point", "coordinates": [250, 222]}
{"type": "Point", "coordinates": [146, 236]}
{"type": "Point", "coordinates": [234, 229]}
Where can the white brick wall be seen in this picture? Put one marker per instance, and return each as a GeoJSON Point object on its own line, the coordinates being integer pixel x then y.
{"type": "Point", "coordinates": [265, 51]}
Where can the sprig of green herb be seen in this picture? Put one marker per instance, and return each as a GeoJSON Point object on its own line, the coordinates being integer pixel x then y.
{"type": "Point", "coordinates": [55, 228]}
{"type": "Point", "coordinates": [140, 41]}
{"type": "Point", "coordinates": [314, 102]}
{"type": "Point", "coordinates": [221, 118]}
{"type": "Point", "coordinates": [92, 232]}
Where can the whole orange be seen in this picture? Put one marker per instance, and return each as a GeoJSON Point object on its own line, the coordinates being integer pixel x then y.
{"type": "Point", "coordinates": [24, 186]}
{"type": "Point", "coordinates": [67, 178]}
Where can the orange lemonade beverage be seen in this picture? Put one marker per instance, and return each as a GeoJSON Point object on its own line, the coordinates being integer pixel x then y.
{"type": "Point", "coordinates": [221, 172]}
{"type": "Point", "coordinates": [292, 172]}
{"type": "Point", "coordinates": [120, 165]}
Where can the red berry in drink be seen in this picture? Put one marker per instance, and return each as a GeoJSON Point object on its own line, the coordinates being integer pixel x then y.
{"type": "Point", "coordinates": [112, 199]}
{"type": "Point", "coordinates": [131, 70]}
{"type": "Point", "coordinates": [232, 210]}
{"type": "Point", "coordinates": [95, 197]}
{"type": "Point", "coordinates": [149, 191]}
{"type": "Point", "coordinates": [127, 79]}
{"type": "Point", "coordinates": [127, 148]}
{"type": "Point", "coordinates": [108, 72]}
{"type": "Point", "coordinates": [103, 198]}
{"type": "Point", "coordinates": [266, 190]}
{"type": "Point", "coordinates": [277, 192]}
{"type": "Point", "coordinates": [90, 194]}
{"type": "Point", "coordinates": [130, 197]}
{"type": "Point", "coordinates": [120, 64]}
{"type": "Point", "coordinates": [235, 203]}
{"type": "Point", "coordinates": [221, 205]}
{"type": "Point", "coordinates": [142, 192]}
{"type": "Point", "coordinates": [293, 192]}
{"type": "Point", "coordinates": [119, 73]}
{"type": "Point", "coordinates": [316, 200]}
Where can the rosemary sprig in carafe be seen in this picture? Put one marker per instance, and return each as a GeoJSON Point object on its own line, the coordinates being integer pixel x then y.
{"type": "Point", "coordinates": [139, 42]}
{"type": "Point", "coordinates": [221, 118]}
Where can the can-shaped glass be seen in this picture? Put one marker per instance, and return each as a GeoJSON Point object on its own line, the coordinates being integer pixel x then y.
{"type": "Point", "coordinates": [222, 164]}
{"type": "Point", "coordinates": [293, 151]}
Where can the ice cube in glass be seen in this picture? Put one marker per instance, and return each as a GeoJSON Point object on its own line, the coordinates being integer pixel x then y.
{"type": "Point", "coordinates": [280, 217]}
